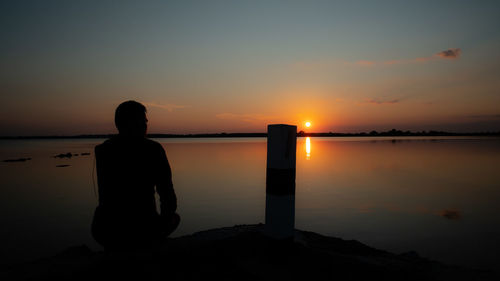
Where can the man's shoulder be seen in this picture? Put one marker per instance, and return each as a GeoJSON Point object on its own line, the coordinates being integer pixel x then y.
{"type": "Point", "coordinates": [103, 146]}
{"type": "Point", "coordinates": [153, 144]}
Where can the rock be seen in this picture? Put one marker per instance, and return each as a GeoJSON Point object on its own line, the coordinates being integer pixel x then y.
{"type": "Point", "coordinates": [243, 253]}
{"type": "Point", "coordinates": [64, 155]}
{"type": "Point", "coordinates": [17, 160]}
{"type": "Point", "coordinates": [76, 251]}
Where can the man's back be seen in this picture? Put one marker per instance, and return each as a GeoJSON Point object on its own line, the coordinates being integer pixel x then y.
{"type": "Point", "coordinates": [129, 167]}
{"type": "Point", "coordinates": [128, 170]}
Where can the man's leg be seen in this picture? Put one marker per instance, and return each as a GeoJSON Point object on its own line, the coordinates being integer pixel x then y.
{"type": "Point", "coordinates": [169, 224]}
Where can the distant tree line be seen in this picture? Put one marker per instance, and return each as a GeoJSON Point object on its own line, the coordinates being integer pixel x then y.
{"type": "Point", "coordinates": [395, 133]}
{"type": "Point", "coordinates": [391, 133]}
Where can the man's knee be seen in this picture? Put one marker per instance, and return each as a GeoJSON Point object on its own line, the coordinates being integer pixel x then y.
{"type": "Point", "coordinates": [170, 223]}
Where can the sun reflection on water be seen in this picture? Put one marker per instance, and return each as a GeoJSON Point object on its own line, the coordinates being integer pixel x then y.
{"type": "Point", "coordinates": [308, 148]}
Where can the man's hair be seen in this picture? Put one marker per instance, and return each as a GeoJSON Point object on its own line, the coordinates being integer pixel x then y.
{"type": "Point", "coordinates": [128, 111]}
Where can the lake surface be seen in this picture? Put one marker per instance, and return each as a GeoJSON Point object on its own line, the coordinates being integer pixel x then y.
{"type": "Point", "coordinates": [437, 196]}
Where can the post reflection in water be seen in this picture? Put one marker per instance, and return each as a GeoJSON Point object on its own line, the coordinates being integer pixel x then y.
{"type": "Point", "coordinates": [308, 148]}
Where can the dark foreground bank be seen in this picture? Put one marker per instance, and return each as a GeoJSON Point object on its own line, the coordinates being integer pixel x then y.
{"type": "Point", "coordinates": [243, 253]}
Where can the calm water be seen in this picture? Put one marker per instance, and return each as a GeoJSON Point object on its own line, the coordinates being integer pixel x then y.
{"type": "Point", "coordinates": [439, 197]}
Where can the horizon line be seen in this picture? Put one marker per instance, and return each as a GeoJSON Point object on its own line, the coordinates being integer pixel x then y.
{"type": "Point", "coordinates": [373, 133]}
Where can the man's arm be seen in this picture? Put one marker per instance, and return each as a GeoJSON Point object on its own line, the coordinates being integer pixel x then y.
{"type": "Point", "coordinates": [164, 186]}
{"type": "Point", "coordinates": [102, 176]}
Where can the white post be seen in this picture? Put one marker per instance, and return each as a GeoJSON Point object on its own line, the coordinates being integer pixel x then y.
{"type": "Point", "coordinates": [280, 181]}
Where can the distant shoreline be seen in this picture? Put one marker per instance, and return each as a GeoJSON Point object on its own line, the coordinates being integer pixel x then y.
{"type": "Point", "coordinates": [391, 133]}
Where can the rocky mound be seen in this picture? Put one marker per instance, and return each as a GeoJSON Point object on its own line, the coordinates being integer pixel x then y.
{"type": "Point", "coordinates": [243, 253]}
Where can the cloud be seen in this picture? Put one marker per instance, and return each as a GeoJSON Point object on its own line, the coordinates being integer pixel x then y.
{"type": "Point", "coordinates": [324, 65]}
{"type": "Point", "coordinates": [390, 62]}
{"type": "Point", "coordinates": [484, 116]}
{"type": "Point", "coordinates": [380, 101]}
{"type": "Point", "coordinates": [365, 62]}
{"type": "Point", "coordinates": [410, 61]}
{"type": "Point", "coordinates": [249, 118]}
{"type": "Point", "coordinates": [169, 106]}
{"type": "Point", "coordinates": [424, 59]}
{"type": "Point", "coordinates": [450, 53]}
{"type": "Point", "coordinates": [453, 53]}
{"type": "Point", "coordinates": [451, 214]}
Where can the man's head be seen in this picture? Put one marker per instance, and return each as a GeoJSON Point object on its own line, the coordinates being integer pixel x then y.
{"type": "Point", "coordinates": [130, 119]}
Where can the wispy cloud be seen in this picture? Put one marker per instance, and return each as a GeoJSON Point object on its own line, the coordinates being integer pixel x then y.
{"type": "Point", "coordinates": [378, 101]}
{"type": "Point", "coordinates": [484, 116]}
{"type": "Point", "coordinates": [408, 61]}
{"type": "Point", "coordinates": [169, 106]}
{"type": "Point", "coordinates": [448, 54]}
{"type": "Point", "coordinates": [365, 62]}
{"type": "Point", "coordinates": [451, 214]}
{"type": "Point", "coordinates": [249, 118]}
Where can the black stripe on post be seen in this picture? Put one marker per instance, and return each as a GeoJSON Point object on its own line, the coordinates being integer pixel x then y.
{"type": "Point", "coordinates": [280, 181]}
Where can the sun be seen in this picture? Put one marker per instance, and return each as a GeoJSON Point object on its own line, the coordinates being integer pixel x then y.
{"type": "Point", "coordinates": [308, 124]}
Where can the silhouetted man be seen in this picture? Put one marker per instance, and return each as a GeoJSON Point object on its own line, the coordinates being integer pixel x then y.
{"type": "Point", "coordinates": [129, 167]}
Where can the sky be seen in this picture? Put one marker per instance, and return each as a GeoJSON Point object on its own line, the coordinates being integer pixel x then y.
{"type": "Point", "coordinates": [236, 66]}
